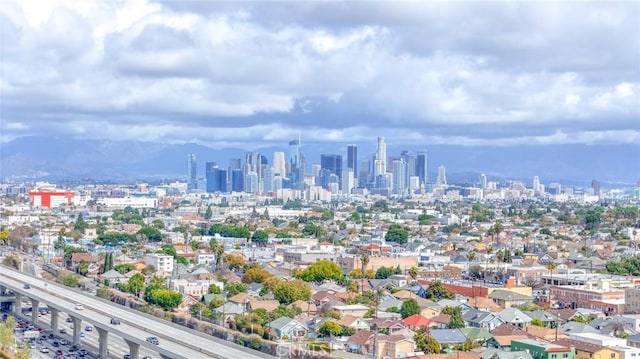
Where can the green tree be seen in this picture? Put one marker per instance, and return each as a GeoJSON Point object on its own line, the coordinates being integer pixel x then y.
{"type": "Point", "coordinates": [255, 275]}
{"type": "Point", "coordinates": [321, 271]}
{"type": "Point", "coordinates": [409, 308]}
{"type": "Point", "coordinates": [208, 213]}
{"type": "Point", "coordinates": [235, 288]}
{"type": "Point", "coordinates": [80, 224]}
{"type": "Point", "coordinates": [287, 292]}
{"type": "Point", "coordinates": [436, 291]}
{"type": "Point", "coordinates": [330, 328]}
{"type": "Point", "coordinates": [260, 237]}
{"type": "Point", "coordinates": [397, 233]}
{"type": "Point", "coordinates": [151, 233]}
{"type": "Point", "coordinates": [7, 335]}
{"type": "Point", "coordinates": [425, 342]}
{"type": "Point", "coordinates": [456, 320]}
{"type": "Point", "coordinates": [135, 285]}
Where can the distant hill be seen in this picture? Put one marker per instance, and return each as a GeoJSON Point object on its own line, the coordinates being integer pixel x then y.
{"type": "Point", "coordinates": [62, 158]}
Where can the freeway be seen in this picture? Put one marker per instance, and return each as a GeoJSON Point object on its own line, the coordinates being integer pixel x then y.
{"type": "Point", "coordinates": [174, 341]}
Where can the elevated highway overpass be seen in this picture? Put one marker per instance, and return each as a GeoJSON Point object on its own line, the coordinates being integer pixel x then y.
{"type": "Point", "coordinates": [175, 341]}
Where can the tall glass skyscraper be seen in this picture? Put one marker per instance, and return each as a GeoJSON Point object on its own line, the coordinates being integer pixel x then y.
{"type": "Point", "coordinates": [422, 168]}
{"type": "Point", "coordinates": [192, 174]}
{"type": "Point", "coordinates": [352, 158]}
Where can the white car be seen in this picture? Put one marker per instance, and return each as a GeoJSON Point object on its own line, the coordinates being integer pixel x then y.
{"type": "Point", "coordinates": [79, 306]}
{"type": "Point", "coordinates": [44, 350]}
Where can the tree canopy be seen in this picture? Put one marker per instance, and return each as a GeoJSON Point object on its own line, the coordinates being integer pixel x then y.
{"type": "Point", "coordinates": [321, 271]}
{"type": "Point", "coordinates": [397, 233]}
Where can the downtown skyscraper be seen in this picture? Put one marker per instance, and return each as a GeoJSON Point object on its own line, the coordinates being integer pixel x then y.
{"type": "Point", "coordinates": [192, 172]}
{"type": "Point", "coordinates": [380, 161]}
{"type": "Point", "coordinates": [352, 158]}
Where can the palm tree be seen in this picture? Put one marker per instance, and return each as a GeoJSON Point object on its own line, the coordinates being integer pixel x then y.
{"type": "Point", "coordinates": [364, 259]}
{"type": "Point", "coordinates": [218, 250]}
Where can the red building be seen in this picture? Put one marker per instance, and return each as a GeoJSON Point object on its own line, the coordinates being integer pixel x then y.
{"type": "Point", "coordinates": [50, 199]}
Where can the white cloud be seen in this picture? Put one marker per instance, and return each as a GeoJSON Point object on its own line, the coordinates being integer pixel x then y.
{"type": "Point", "coordinates": [429, 72]}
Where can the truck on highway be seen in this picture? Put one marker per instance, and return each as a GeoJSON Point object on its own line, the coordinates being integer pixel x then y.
{"type": "Point", "coordinates": [31, 334]}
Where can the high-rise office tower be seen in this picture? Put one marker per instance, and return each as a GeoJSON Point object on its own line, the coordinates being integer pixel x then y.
{"type": "Point", "coordinates": [296, 163]}
{"type": "Point", "coordinates": [331, 163]}
{"type": "Point", "coordinates": [422, 168]}
{"type": "Point", "coordinates": [365, 173]}
{"type": "Point", "coordinates": [352, 158]}
{"type": "Point", "coordinates": [348, 181]}
{"type": "Point", "coordinates": [595, 185]}
{"type": "Point", "coordinates": [216, 178]}
{"type": "Point", "coordinates": [381, 158]}
{"type": "Point", "coordinates": [442, 176]}
{"type": "Point", "coordinates": [536, 184]}
{"type": "Point", "coordinates": [279, 162]}
{"type": "Point", "coordinates": [268, 180]}
{"type": "Point", "coordinates": [253, 162]}
{"type": "Point", "coordinates": [483, 181]}
{"type": "Point", "coordinates": [400, 180]}
{"type": "Point", "coordinates": [410, 159]}
{"type": "Point", "coordinates": [315, 170]}
{"type": "Point", "coordinates": [251, 182]}
{"type": "Point", "coordinates": [237, 180]}
{"type": "Point", "coordinates": [192, 174]}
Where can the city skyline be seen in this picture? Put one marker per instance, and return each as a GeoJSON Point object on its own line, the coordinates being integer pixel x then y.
{"type": "Point", "coordinates": [251, 75]}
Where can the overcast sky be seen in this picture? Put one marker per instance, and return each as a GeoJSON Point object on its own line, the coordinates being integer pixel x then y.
{"type": "Point", "coordinates": [254, 74]}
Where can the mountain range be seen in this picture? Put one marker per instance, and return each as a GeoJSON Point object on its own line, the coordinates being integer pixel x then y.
{"type": "Point", "coordinates": [54, 159]}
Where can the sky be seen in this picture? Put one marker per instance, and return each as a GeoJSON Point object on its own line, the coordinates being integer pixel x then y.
{"type": "Point", "coordinates": [251, 74]}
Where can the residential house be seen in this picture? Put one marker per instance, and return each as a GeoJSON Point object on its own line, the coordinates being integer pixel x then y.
{"type": "Point", "coordinates": [504, 334]}
{"type": "Point", "coordinates": [393, 346]}
{"type": "Point", "coordinates": [349, 321]}
{"type": "Point", "coordinates": [416, 321]}
{"type": "Point", "coordinates": [359, 342]}
{"type": "Point", "coordinates": [357, 310]}
{"type": "Point", "coordinates": [508, 299]}
{"type": "Point", "coordinates": [268, 305]}
{"type": "Point", "coordinates": [440, 321]}
{"type": "Point", "coordinates": [305, 306]}
{"type": "Point", "coordinates": [543, 350]}
{"type": "Point", "coordinates": [589, 351]}
{"type": "Point", "coordinates": [484, 304]}
{"type": "Point", "coordinates": [627, 352]}
{"type": "Point", "coordinates": [477, 335]}
{"type": "Point", "coordinates": [113, 277]}
{"type": "Point", "coordinates": [391, 326]}
{"type": "Point", "coordinates": [287, 328]}
{"type": "Point", "coordinates": [448, 337]}
{"type": "Point", "coordinates": [480, 319]}
{"type": "Point", "coordinates": [549, 320]}
{"type": "Point", "coordinates": [515, 316]}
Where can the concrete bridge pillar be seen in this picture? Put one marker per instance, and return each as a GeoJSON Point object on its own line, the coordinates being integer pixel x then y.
{"type": "Point", "coordinates": [103, 342]}
{"type": "Point", "coordinates": [164, 356]}
{"type": "Point", "coordinates": [55, 315]}
{"type": "Point", "coordinates": [17, 305]}
{"type": "Point", "coordinates": [134, 349]}
{"type": "Point", "coordinates": [77, 329]}
{"type": "Point", "coordinates": [34, 311]}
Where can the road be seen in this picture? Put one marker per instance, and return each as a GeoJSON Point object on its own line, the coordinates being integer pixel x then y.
{"type": "Point", "coordinates": [174, 341]}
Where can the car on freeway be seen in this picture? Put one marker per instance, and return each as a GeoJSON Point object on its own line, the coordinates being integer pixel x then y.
{"type": "Point", "coordinates": [79, 306]}
{"type": "Point", "coordinates": [82, 334]}
{"type": "Point", "coordinates": [153, 340]}
{"type": "Point", "coordinates": [63, 342]}
{"type": "Point", "coordinates": [88, 328]}
{"type": "Point", "coordinates": [44, 350]}
{"type": "Point", "coordinates": [69, 320]}
{"type": "Point", "coordinates": [26, 286]}
{"type": "Point", "coordinates": [126, 356]}
{"type": "Point", "coordinates": [63, 331]}
{"type": "Point", "coordinates": [115, 321]}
